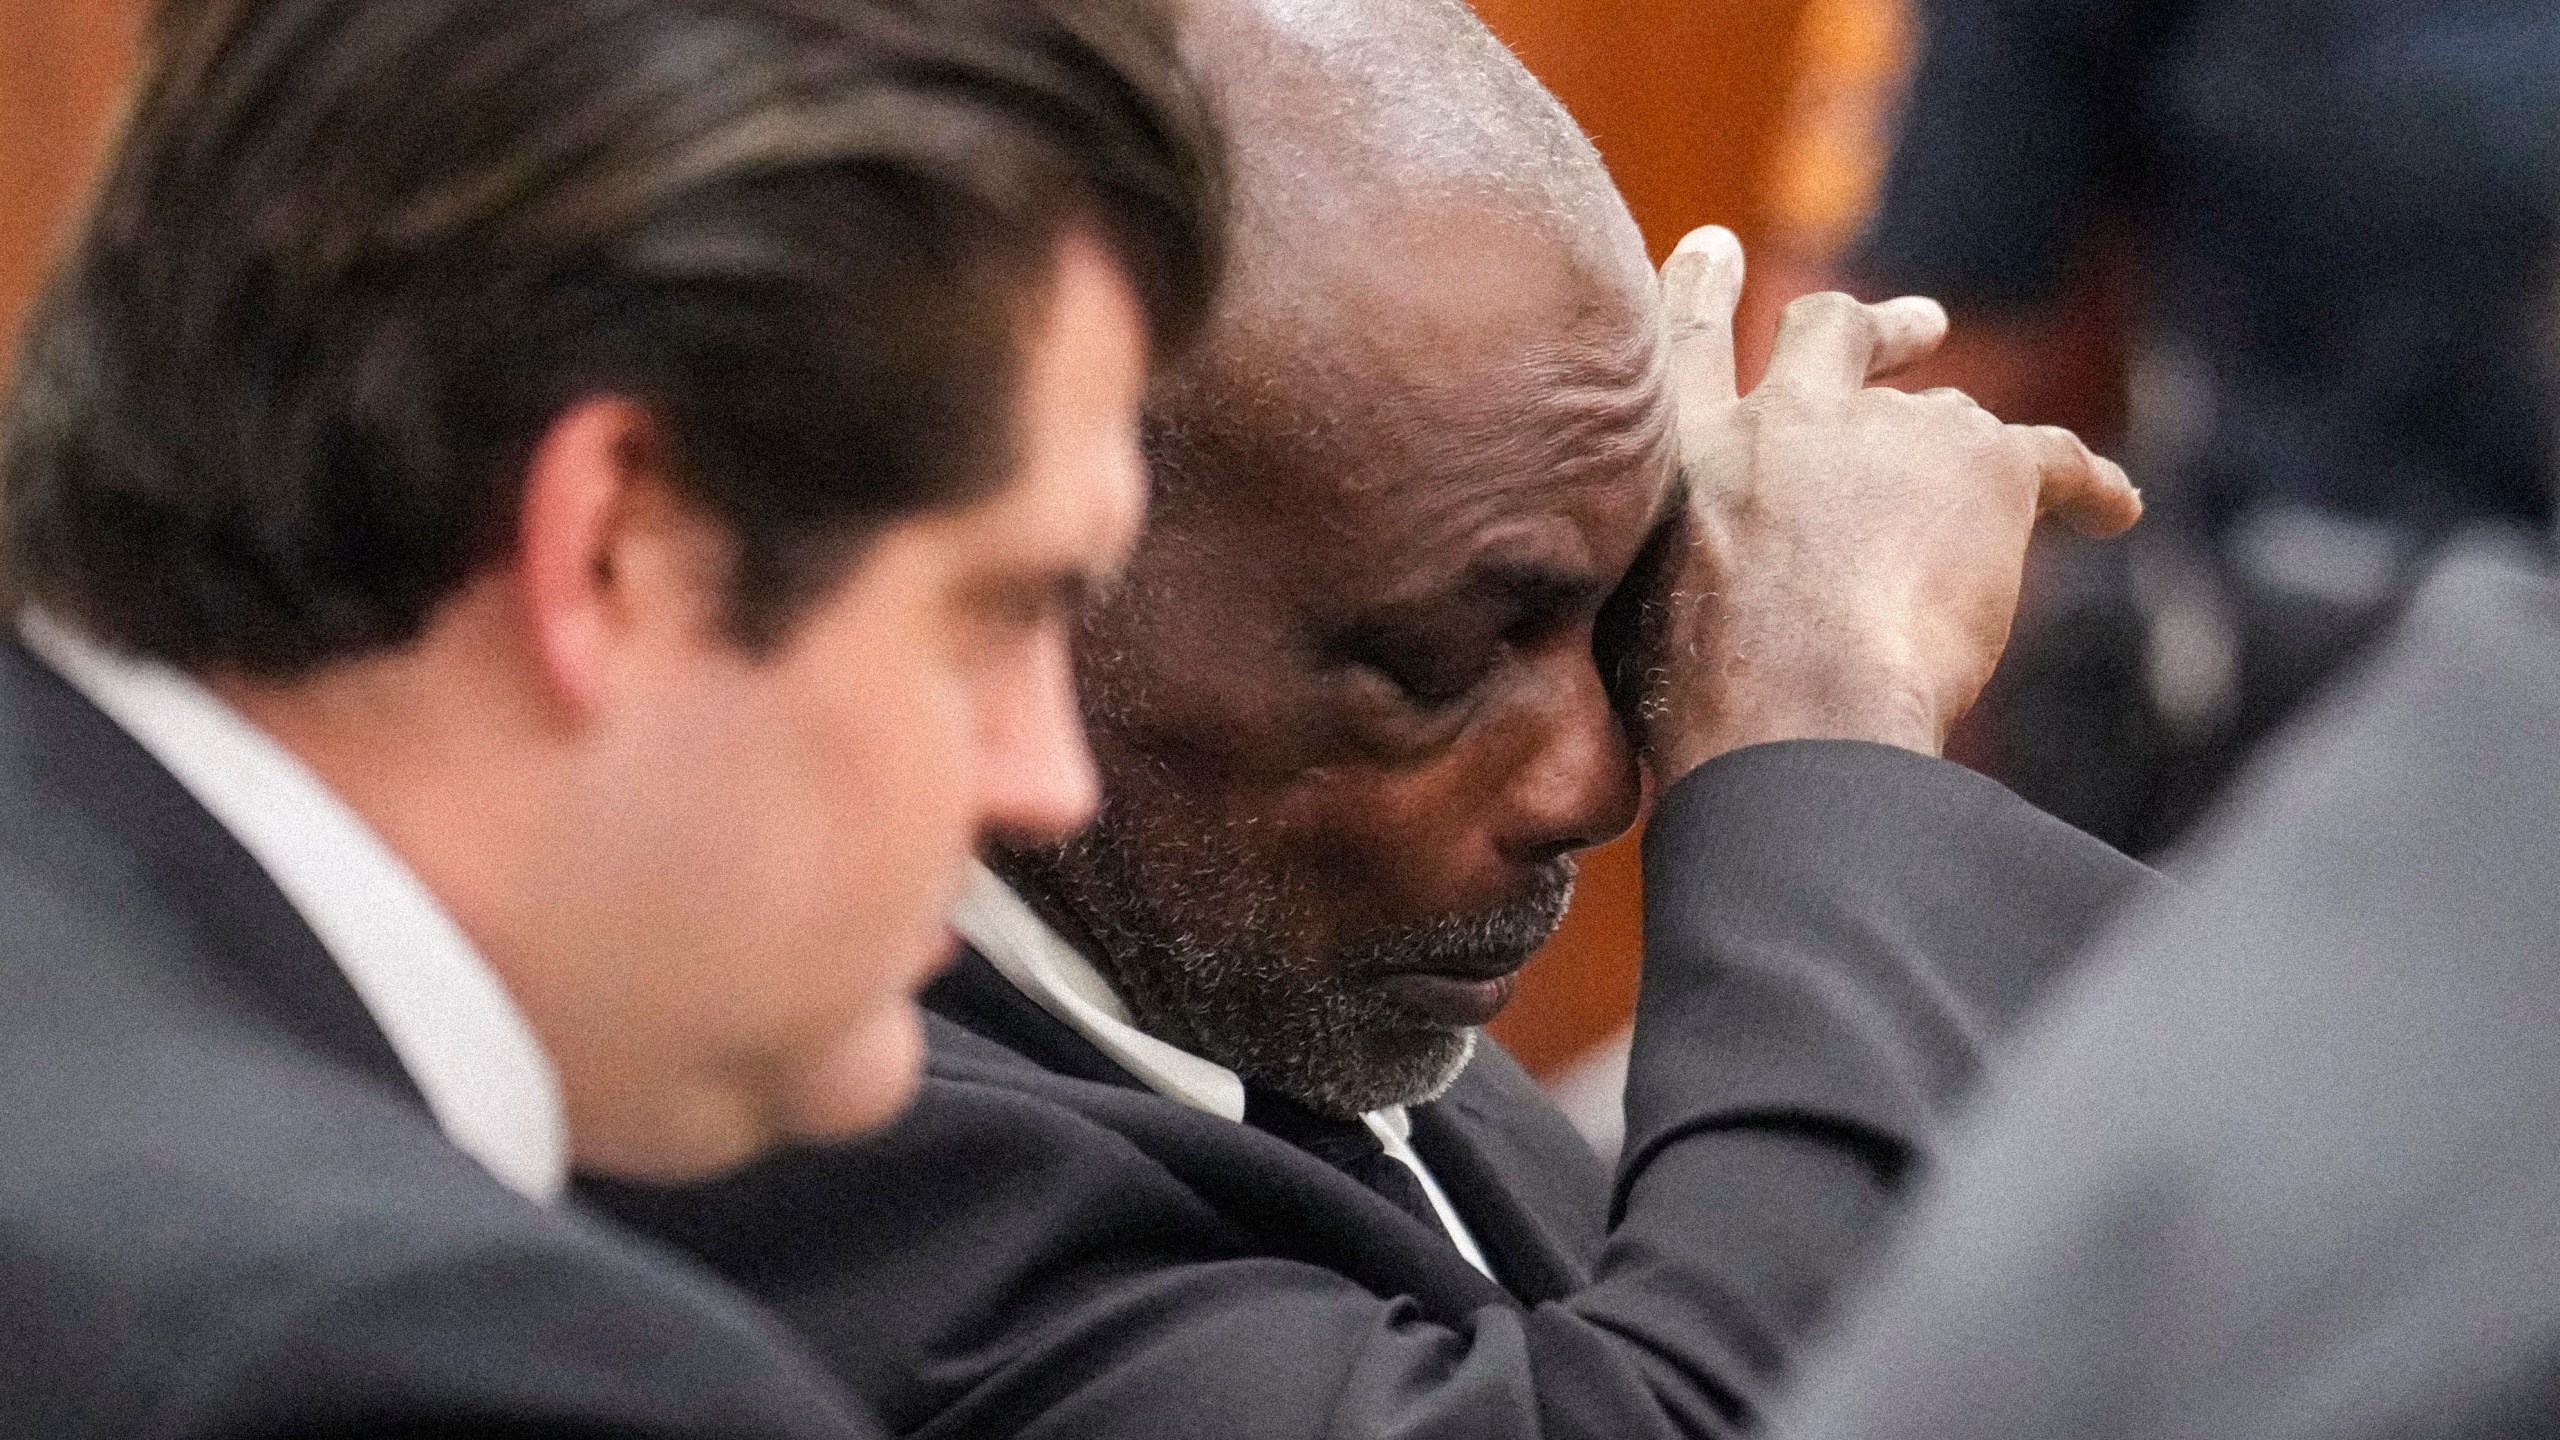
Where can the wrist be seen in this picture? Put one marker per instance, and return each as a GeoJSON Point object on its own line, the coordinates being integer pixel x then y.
{"type": "Point", "coordinates": [1879, 709]}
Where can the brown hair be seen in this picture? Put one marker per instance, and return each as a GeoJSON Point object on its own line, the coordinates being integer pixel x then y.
{"type": "Point", "coordinates": [353, 256]}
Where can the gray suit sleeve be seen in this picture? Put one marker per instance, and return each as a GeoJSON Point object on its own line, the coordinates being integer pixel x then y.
{"type": "Point", "coordinates": [2280, 1161]}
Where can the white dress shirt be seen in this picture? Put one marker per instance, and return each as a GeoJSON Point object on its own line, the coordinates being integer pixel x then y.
{"type": "Point", "coordinates": [1024, 949]}
{"type": "Point", "coordinates": [446, 1013]}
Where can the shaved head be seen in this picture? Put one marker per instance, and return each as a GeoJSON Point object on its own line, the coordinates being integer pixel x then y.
{"type": "Point", "coordinates": [1336, 102]}
{"type": "Point", "coordinates": [1359, 128]}
{"type": "Point", "coordinates": [1346, 709]}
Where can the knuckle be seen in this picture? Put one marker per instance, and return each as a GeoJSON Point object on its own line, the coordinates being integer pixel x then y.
{"type": "Point", "coordinates": [1960, 406]}
{"type": "Point", "coordinates": [1688, 327]}
{"type": "Point", "coordinates": [1780, 395]}
{"type": "Point", "coordinates": [2064, 450]}
{"type": "Point", "coordinates": [2030, 453]}
{"type": "Point", "coordinates": [1823, 306]}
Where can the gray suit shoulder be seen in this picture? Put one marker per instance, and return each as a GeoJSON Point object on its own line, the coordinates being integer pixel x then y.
{"type": "Point", "coordinates": [209, 1230]}
{"type": "Point", "coordinates": [2279, 1161]}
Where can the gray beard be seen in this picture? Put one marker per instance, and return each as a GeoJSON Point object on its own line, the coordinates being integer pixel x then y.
{"type": "Point", "coordinates": [1201, 939]}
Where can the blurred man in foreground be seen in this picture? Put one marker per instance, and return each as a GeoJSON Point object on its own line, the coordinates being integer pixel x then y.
{"type": "Point", "coordinates": [1210, 1143]}
{"type": "Point", "coordinates": [547, 531]}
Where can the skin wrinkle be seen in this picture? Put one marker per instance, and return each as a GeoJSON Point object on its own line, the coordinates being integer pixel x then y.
{"type": "Point", "coordinates": [1429, 430]}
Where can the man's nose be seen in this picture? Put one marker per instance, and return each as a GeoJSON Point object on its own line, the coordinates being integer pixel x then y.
{"type": "Point", "coordinates": [1579, 785]}
{"type": "Point", "coordinates": [1038, 781]}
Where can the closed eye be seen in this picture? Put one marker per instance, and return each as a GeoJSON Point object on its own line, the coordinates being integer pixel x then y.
{"type": "Point", "coordinates": [1438, 652]}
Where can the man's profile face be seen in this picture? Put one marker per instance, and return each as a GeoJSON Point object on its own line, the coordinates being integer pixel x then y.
{"type": "Point", "coordinates": [816, 808]}
{"type": "Point", "coordinates": [1348, 710]}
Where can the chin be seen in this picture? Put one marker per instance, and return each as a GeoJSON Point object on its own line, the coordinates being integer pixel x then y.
{"type": "Point", "coordinates": [867, 1081]}
{"type": "Point", "coordinates": [699, 1132]}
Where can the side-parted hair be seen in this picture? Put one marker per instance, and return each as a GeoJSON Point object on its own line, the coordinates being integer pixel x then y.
{"type": "Point", "coordinates": [352, 258]}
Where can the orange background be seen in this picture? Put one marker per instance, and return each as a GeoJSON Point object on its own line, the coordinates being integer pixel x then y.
{"type": "Point", "coordinates": [62, 70]}
{"type": "Point", "coordinates": [1688, 99]}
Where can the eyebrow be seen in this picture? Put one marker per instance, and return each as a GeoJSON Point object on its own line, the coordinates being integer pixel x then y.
{"type": "Point", "coordinates": [1535, 587]}
{"type": "Point", "coordinates": [1531, 587]}
{"type": "Point", "coordinates": [1513, 592]}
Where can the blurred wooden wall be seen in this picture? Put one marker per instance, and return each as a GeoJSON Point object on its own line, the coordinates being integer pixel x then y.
{"type": "Point", "coordinates": [1687, 100]}
{"type": "Point", "coordinates": [1684, 97]}
{"type": "Point", "coordinates": [63, 65]}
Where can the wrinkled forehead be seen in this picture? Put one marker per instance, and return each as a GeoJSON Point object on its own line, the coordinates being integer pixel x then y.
{"type": "Point", "coordinates": [1428, 373]}
{"type": "Point", "coordinates": [1439, 318]}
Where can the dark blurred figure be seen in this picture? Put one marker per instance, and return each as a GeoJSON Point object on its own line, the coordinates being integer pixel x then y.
{"type": "Point", "coordinates": [2338, 214]}
{"type": "Point", "coordinates": [547, 531]}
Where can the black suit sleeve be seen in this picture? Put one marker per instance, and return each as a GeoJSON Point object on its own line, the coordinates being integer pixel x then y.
{"type": "Point", "coordinates": [1835, 932]}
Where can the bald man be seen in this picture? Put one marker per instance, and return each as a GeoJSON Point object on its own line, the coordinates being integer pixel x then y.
{"type": "Point", "coordinates": [1210, 1142]}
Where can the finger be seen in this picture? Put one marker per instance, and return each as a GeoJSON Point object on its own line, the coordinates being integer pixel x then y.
{"type": "Point", "coordinates": [2078, 487]}
{"type": "Point", "coordinates": [1908, 331]}
{"type": "Point", "coordinates": [1826, 342]}
{"type": "Point", "coordinates": [1701, 285]}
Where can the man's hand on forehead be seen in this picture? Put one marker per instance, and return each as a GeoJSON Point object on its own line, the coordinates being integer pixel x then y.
{"type": "Point", "coordinates": [1854, 553]}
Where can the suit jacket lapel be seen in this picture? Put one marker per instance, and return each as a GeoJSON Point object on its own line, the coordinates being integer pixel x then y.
{"type": "Point", "coordinates": [1522, 1179]}
{"type": "Point", "coordinates": [75, 782]}
{"type": "Point", "coordinates": [974, 995]}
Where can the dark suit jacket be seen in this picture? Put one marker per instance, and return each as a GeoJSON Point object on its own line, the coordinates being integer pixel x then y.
{"type": "Point", "coordinates": [2288, 1163]}
{"type": "Point", "coordinates": [1046, 1248]}
{"type": "Point", "coordinates": [224, 1212]}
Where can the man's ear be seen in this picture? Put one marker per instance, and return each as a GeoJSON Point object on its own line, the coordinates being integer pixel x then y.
{"type": "Point", "coordinates": [593, 544]}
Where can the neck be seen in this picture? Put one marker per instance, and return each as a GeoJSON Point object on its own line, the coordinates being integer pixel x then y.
{"type": "Point", "coordinates": [444, 764]}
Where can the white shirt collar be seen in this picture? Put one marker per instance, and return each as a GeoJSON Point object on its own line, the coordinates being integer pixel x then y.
{"type": "Point", "coordinates": [1057, 976]}
{"type": "Point", "coordinates": [1040, 962]}
{"type": "Point", "coordinates": [446, 1013]}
